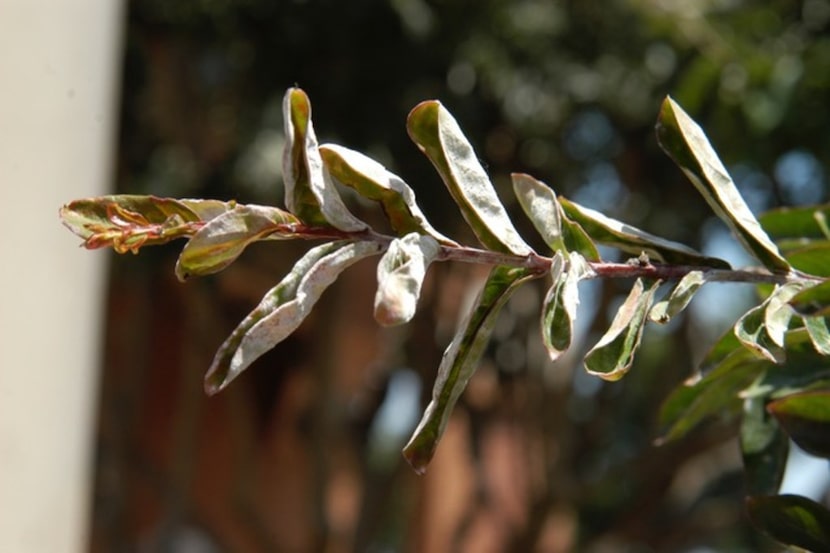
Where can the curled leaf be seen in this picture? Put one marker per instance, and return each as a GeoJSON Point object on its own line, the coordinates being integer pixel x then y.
{"type": "Point", "coordinates": [678, 299]}
{"type": "Point", "coordinates": [541, 206]}
{"type": "Point", "coordinates": [561, 301]}
{"type": "Point", "coordinates": [813, 301]}
{"type": "Point", "coordinates": [752, 333]}
{"type": "Point", "coordinates": [687, 145]}
{"type": "Point", "coordinates": [818, 332]}
{"type": "Point", "coordinates": [459, 363]}
{"type": "Point", "coordinates": [283, 308]}
{"type": "Point", "coordinates": [764, 449]}
{"type": "Point", "coordinates": [401, 273]}
{"type": "Point", "coordinates": [613, 355]}
{"type": "Point", "coordinates": [437, 134]}
{"type": "Point", "coordinates": [792, 520]}
{"type": "Point", "coordinates": [308, 194]}
{"type": "Point", "coordinates": [218, 243]}
{"type": "Point", "coordinates": [373, 181]}
{"type": "Point", "coordinates": [127, 222]}
{"type": "Point", "coordinates": [630, 239]}
{"type": "Point", "coordinates": [806, 418]}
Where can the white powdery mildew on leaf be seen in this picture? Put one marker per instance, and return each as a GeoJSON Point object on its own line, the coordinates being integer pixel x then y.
{"type": "Point", "coordinates": [401, 273]}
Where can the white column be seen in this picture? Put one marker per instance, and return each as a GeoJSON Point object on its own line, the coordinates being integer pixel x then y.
{"type": "Point", "coordinates": [58, 85]}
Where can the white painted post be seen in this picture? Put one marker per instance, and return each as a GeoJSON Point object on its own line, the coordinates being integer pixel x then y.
{"type": "Point", "coordinates": [58, 85]}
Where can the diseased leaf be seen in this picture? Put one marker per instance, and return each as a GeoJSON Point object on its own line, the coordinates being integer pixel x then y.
{"type": "Point", "coordinates": [630, 239]}
{"type": "Point", "coordinates": [561, 301]}
{"type": "Point", "coordinates": [778, 312]}
{"type": "Point", "coordinates": [687, 145]}
{"type": "Point", "coordinates": [819, 334]}
{"type": "Point", "coordinates": [218, 243]}
{"type": "Point", "coordinates": [558, 231]}
{"type": "Point", "coordinates": [813, 301]}
{"type": "Point", "coordinates": [401, 273]}
{"type": "Point", "coordinates": [459, 363]}
{"type": "Point", "coordinates": [678, 299]}
{"type": "Point", "coordinates": [792, 520]}
{"type": "Point", "coordinates": [373, 181]}
{"type": "Point", "coordinates": [283, 308]}
{"type": "Point", "coordinates": [752, 333]}
{"type": "Point", "coordinates": [437, 134]}
{"type": "Point", "coordinates": [308, 194]}
{"type": "Point", "coordinates": [764, 448]}
{"type": "Point", "coordinates": [127, 222]}
{"type": "Point", "coordinates": [806, 418]}
{"type": "Point", "coordinates": [613, 355]}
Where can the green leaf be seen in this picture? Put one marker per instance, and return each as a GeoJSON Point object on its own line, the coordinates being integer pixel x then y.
{"type": "Point", "coordinates": [459, 363]}
{"type": "Point", "coordinates": [687, 145]}
{"type": "Point", "coordinates": [128, 222]}
{"type": "Point", "coordinates": [764, 448]}
{"type": "Point", "coordinates": [558, 231]}
{"type": "Point", "coordinates": [714, 395]}
{"type": "Point", "coordinates": [613, 355]}
{"type": "Point", "coordinates": [218, 243]}
{"type": "Point", "coordinates": [373, 181]}
{"type": "Point", "coordinates": [678, 299]}
{"type": "Point", "coordinates": [812, 258]}
{"type": "Point", "coordinates": [401, 273]}
{"type": "Point", "coordinates": [630, 239]}
{"type": "Point", "coordinates": [308, 194]}
{"type": "Point", "coordinates": [806, 418]}
{"type": "Point", "coordinates": [797, 223]}
{"type": "Point", "coordinates": [813, 301]}
{"type": "Point", "coordinates": [792, 520]}
{"type": "Point", "coordinates": [561, 301]}
{"type": "Point", "coordinates": [283, 308]}
{"type": "Point", "coordinates": [437, 134]}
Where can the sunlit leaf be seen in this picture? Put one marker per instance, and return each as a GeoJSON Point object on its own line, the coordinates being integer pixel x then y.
{"type": "Point", "coordinates": [401, 273]}
{"type": "Point", "coordinates": [806, 418]}
{"type": "Point", "coordinates": [678, 299]}
{"type": "Point", "coordinates": [752, 333]}
{"type": "Point", "coordinates": [687, 145]}
{"type": "Point", "coordinates": [792, 520]}
{"type": "Point", "coordinates": [128, 222]}
{"type": "Point", "coordinates": [630, 239]}
{"type": "Point", "coordinates": [308, 194]}
{"type": "Point", "coordinates": [613, 355]}
{"type": "Point", "coordinates": [558, 231]}
{"type": "Point", "coordinates": [373, 181]}
{"type": "Point", "coordinates": [218, 243]}
{"type": "Point", "coordinates": [459, 363]}
{"type": "Point", "coordinates": [764, 448]}
{"type": "Point", "coordinates": [778, 312]}
{"type": "Point", "coordinates": [437, 134]}
{"type": "Point", "coordinates": [819, 333]}
{"type": "Point", "coordinates": [561, 301]}
{"type": "Point", "coordinates": [283, 308]}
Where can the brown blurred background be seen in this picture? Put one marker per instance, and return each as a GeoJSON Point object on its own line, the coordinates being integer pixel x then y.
{"type": "Point", "coordinates": [301, 453]}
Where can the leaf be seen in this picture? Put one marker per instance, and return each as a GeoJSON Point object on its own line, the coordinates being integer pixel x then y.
{"type": "Point", "coordinates": [128, 222]}
{"type": "Point", "coordinates": [678, 299]}
{"type": "Point", "coordinates": [373, 181]}
{"type": "Point", "coordinates": [685, 142]}
{"type": "Point", "coordinates": [798, 223]}
{"type": "Point", "coordinates": [806, 418]}
{"type": "Point", "coordinates": [714, 395]}
{"type": "Point", "coordinates": [437, 134]}
{"type": "Point", "coordinates": [813, 301]}
{"type": "Point", "coordinates": [558, 231]}
{"type": "Point", "coordinates": [561, 301]}
{"type": "Point", "coordinates": [764, 448]}
{"type": "Point", "coordinates": [630, 239]}
{"type": "Point", "coordinates": [459, 363]}
{"type": "Point", "coordinates": [308, 194]}
{"type": "Point", "coordinates": [283, 308]}
{"type": "Point", "coordinates": [218, 243]}
{"type": "Point", "coordinates": [778, 312]}
{"type": "Point", "coordinates": [613, 355]}
{"type": "Point", "coordinates": [819, 334]}
{"type": "Point", "coordinates": [752, 333]}
{"type": "Point", "coordinates": [812, 258]}
{"type": "Point", "coordinates": [792, 520]}
{"type": "Point", "coordinates": [401, 273]}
